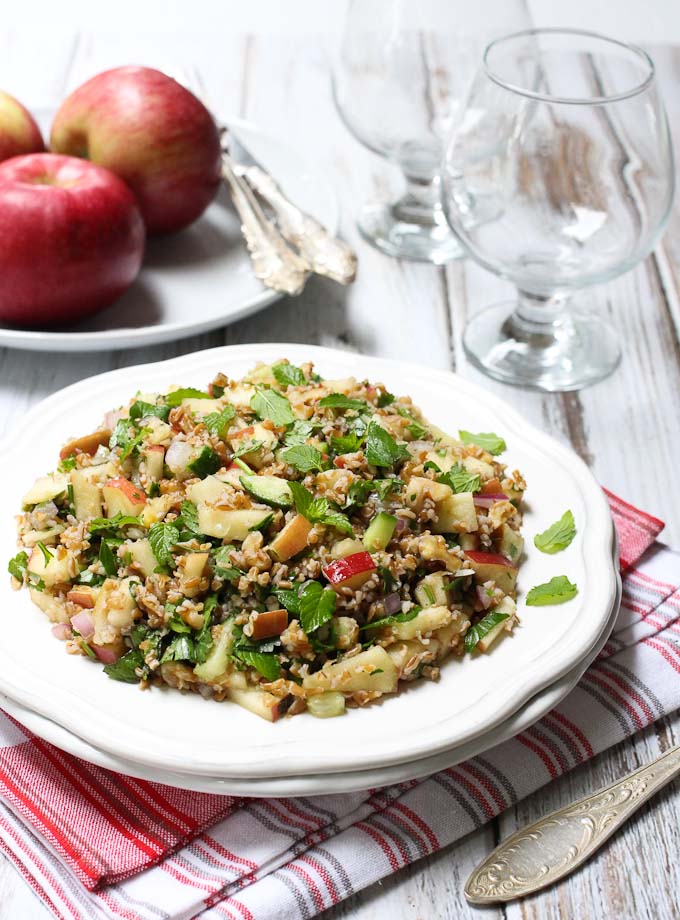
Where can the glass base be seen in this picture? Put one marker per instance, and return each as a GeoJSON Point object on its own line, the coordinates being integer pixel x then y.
{"type": "Point", "coordinates": [575, 350]}
{"type": "Point", "coordinates": [402, 235]}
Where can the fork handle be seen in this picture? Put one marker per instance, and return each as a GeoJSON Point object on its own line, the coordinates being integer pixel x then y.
{"type": "Point", "coordinates": [326, 254]}
{"type": "Point", "coordinates": [274, 263]}
{"type": "Point", "coordinates": [553, 846]}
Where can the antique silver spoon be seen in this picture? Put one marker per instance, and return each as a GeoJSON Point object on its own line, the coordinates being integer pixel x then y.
{"type": "Point", "coordinates": [552, 847]}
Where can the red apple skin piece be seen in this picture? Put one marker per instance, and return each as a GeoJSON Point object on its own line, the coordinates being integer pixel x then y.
{"type": "Point", "coordinates": [131, 491]}
{"type": "Point", "coordinates": [351, 571]}
{"type": "Point", "coordinates": [153, 133]}
{"type": "Point", "coordinates": [488, 558]}
{"type": "Point", "coordinates": [71, 239]}
{"type": "Point", "coordinates": [19, 133]}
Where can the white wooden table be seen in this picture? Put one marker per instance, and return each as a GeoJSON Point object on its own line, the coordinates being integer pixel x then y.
{"type": "Point", "coordinates": [627, 428]}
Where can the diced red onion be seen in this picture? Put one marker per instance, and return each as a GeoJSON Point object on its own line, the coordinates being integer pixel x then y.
{"type": "Point", "coordinates": [62, 631]}
{"type": "Point", "coordinates": [401, 525]}
{"type": "Point", "coordinates": [83, 623]}
{"type": "Point", "coordinates": [112, 417]}
{"type": "Point", "coordinates": [486, 501]}
{"type": "Point", "coordinates": [106, 655]}
{"type": "Point", "coordinates": [392, 603]}
{"type": "Point", "coordinates": [483, 597]}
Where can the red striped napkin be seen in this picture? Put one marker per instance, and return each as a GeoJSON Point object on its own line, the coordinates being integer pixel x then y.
{"type": "Point", "coordinates": [94, 844]}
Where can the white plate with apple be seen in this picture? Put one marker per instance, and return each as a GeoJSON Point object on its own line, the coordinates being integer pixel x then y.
{"type": "Point", "coordinates": [190, 735]}
{"type": "Point", "coordinates": [192, 280]}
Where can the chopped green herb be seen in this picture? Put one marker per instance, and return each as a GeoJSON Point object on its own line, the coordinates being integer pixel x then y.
{"type": "Point", "coordinates": [392, 620]}
{"type": "Point", "coordinates": [558, 590]}
{"type": "Point", "coordinates": [204, 640]}
{"type": "Point", "coordinates": [389, 582]}
{"type": "Point", "coordinates": [188, 519]}
{"type": "Point", "coordinates": [340, 401]}
{"type": "Point", "coordinates": [47, 555]}
{"type": "Point", "coordinates": [108, 558]}
{"type": "Point", "coordinates": [299, 433]}
{"type": "Point", "coordinates": [460, 480]}
{"type": "Point", "coordinates": [317, 605]}
{"type": "Point", "coordinates": [206, 463]}
{"type": "Point", "coordinates": [359, 492]}
{"type": "Point", "coordinates": [67, 464]}
{"type": "Point", "coordinates": [18, 566]}
{"type": "Point", "coordinates": [347, 443]}
{"type": "Point", "coordinates": [154, 490]}
{"type": "Point", "coordinates": [385, 399]}
{"type": "Point", "coordinates": [248, 448]}
{"type": "Point", "coordinates": [223, 565]}
{"type": "Point", "coordinates": [162, 538]}
{"type": "Point", "coordinates": [265, 663]}
{"type": "Point", "coordinates": [318, 510]}
{"type": "Point", "coordinates": [141, 409]}
{"type": "Point", "coordinates": [558, 536]}
{"type": "Point", "coordinates": [218, 422]}
{"type": "Point", "coordinates": [483, 628]}
{"type": "Point", "coordinates": [176, 397]}
{"type": "Point", "coordinates": [114, 524]}
{"type": "Point", "coordinates": [287, 375]}
{"type": "Point", "coordinates": [486, 440]}
{"type": "Point", "coordinates": [181, 648]}
{"type": "Point", "coordinates": [288, 598]}
{"type": "Point", "coordinates": [126, 668]}
{"type": "Point", "coordinates": [126, 437]}
{"type": "Point", "coordinates": [429, 594]}
{"type": "Point", "coordinates": [303, 457]}
{"type": "Point", "coordinates": [381, 448]}
{"type": "Point", "coordinates": [268, 404]}
{"type": "Point", "coordinates": [177, 625]}
{"type": "Point", "coordinates": [385, 487]}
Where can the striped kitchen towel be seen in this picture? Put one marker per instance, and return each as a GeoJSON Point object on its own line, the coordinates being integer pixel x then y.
{"type": "Point", "coordinates": [94, 844]}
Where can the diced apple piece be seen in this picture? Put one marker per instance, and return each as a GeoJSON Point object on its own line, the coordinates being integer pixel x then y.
{"type": "Point", "coordinates": [229, 524]}
{"type": "Point", "coordinates": [60, 568]}
{"type": "Point", "coordinates": [426, 621]}
{"type": "Point", "coordinates": [351, 571]}
{"type": "Point", "coordinates": [160, 432]}
{"type": "Point", "coordinates": [122, 497]}
{"type": "Point", "coordinates": [83, 595]}
{"type": "Point", "coordinates": [468, 541]}
{"type": "Point", "coordinates": [263, 375]}
{"type": "Point", "coordinates": [433, 590]}
{"type": "Point", "coordinates": [201, 407]}
{"type": "Point", "coordinates": [257, 433]}
{"type": "Point", "coordinates": [51, 606]}
{"type": "Point", "coordinates": [232, 475]}
{"type": "Point", "coordinates": [511, 544]}
{"type": "Point", "coordinates": [88, 444]}
{"type": "Point", "coordinates": [434, 549]}
{"type": "Point", "coordinates": [87, 495]}
{"type": "Point", "coordinates": [154, 456]}
{"type": "Point", "coordinates": [347, 547]}
{"type": "Point", "coordinates": [142, 555]}
{"type": "Point", "coordinates": [444, 463]}
{"type": "Point", "coordinates": [48, 536]}
{"type": "Point", "coordinates": [507, 605]}
{"type": "Point", "coordinates": [292, 539]}
{"type": "Point", "coordinates": [257, 701]}
{"type": "Point", "coordinates": [113, 611]}
{"type": "Point", "coordinates": [156, 508]}
{"type": "Point", "coordinates": [194, 564]}
{"type": "Point", "coordinates": [369, 670]}
{"type": "Point", "coordinates": [46, 488]}
{"type": "Point", "coordinates": [239, 395]}
{"type": "Point", "coordinates": [208, 490]}
{"type": "Point", "coordinates": [269, 623]}
{"type": "Point", "coordinates": [478, 467]}
{"type": "Point", "coordinates": [418, 488]}
{"type": "Point", "coordinates": [493, 567]}
{"type": "Point", "coordinates": [456, 514]}
{"type": "Point", "coordinates": [344, 385]}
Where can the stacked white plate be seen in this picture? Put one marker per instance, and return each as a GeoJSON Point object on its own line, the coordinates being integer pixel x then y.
{"type": "Point", "coordinates": [187, 741]}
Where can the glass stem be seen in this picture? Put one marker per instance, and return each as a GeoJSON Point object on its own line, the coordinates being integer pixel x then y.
{"type": "Point", "coordinates": [539, 321]}
{"type": "Point", "coordinates": [420, 202]}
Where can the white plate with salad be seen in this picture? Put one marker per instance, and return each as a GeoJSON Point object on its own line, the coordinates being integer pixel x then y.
{"type": "Point", "coordinates": [573, 580]}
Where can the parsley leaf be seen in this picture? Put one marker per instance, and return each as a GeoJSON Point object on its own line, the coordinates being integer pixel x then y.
{"type": "Point", "coordinates": [67, 464]}
{"type": "Point", "coordinates": [267, 403]}
{"type": "Point", "coordinates": [385, 487]}
{"type": "Point", "coordinates": [483, 628]}
{"type": "Point", "coordinates": [114, 524]}
{"type": "Point", "coordinates": [303, 457]}
{"type": "Point", "coordinates": [217, 422]}
{"type": "Point", "coordinates": [18, 566]}
{"type": "Point", "coordinates": [140, 409]}
{"type": "Point", "coordinates": [265, 663]}
{"type": "Point", "coordinates": [287, 375]}
{"type": "Point", "coordinates": [558, 590]}
{"type": "Point", "coordinates": [460, 480]}
{"type": "Point", "coordinates": [176, 397]}
{"type": "Point", "coordinates": [223, 564]}
{"type": "Point", "coordinates": [108, 558]}
{"type": "Point", "coordinates": [385, 399]}
{"type": "Point", "coordinates": [46, 553]}
{"type": "Point", "coordinates": [318, 510]}
{"type": "Point", "coordinates": [162, 538]}
{"type": "Point", "coordinates": [126, 437]}
{"type": "Point", "coordinates": [347, 443]}
{"type": "Point", "coordinates": [340, 401]}
{"type": "Point", "coordinates": [317, 605]}
{"type": "Point", "coordinates": [391, 620]}
{"type": "Point", "coordinates": [558, 536]}
{"type": "Point", "coordinates": [181, 648]}
{"type": "Point", "coordinates": [125, 669]}
{"type": "Point", "coordinates": [381, 448]}
{"type": "Point", "coordinates": [204, 640]}
{"type": "Point", "coordinates": [206, 463]}
{"type": "Point", "coordinates": [288, 598]}
{"type": "Point", "coordinates": [486, 440]}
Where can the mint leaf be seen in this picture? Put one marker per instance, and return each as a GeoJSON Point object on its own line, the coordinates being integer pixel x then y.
{"type": "Point", "coordinates": [140, 409]}
{"type": "Point", "coordinates": [486, 440]}
{"type": "Point", "coordinates": [287, 375]}
{"type": "Point", "coordinates": [299, 433]}
{"type": "Point", "coordinates": [481, 629]}
{"type": "Point", "coordinates": [318, 510]}
{"type": "Point", "coordinates": [114, 524]}
{"type": "Point", "coordinates": [385, 487]}
{"type": "Point", "coordinates": [340, 401]}
{"type": "Point", "coordinates": [558, 590]}
{"type": "Point", "coordinates": [347, 443]}
{"type": "Point", "coordinates": [381, 448]}
{"type": "Point", "coordinates": [317, 605]}
{"type": "Point", "coordinates": [558, 536]}
{"type": "Point", "coordinates": [265, 663]}
{"type": "Point", "coordinates": [267, 403]}
{"type": "Point", "coordinates": [18, 566]}
{"type": "Point", "coordinates": [162, 538]}
{"type": "Point", "coordinates": [224, 567]}
{"type": "Point", "coordinates": [460, 480]}
{"type": "Point", "coordinates": [181, 648]}
{"type": "Point", "coordinates": [218, 422]}
{"type": "Point", "coordinates": [176, 397]}
{"type": "Point", "coordinates": [301, 497]}
{"type": "Point", "coordinates": [204, 640]}
{"type": "Point", "coordinates": [125, 669]}
{"type": "Point", "coordinates": [336, 519]}
{"type": "Point", "coordinates": [188, 519]}
{"type": "Point", "coordinates": [108, 558]}
{"type": "Point", "coordinates": [288, 598]}
{"type": "Point", "coordinates": [385, 399]}
{"type": "Point", "coordinates": [303, 457]}
{"type": "Point", "coordinates": [248, 448]}
{"type": "Point", "coordinates": [391, 620]}
{"type": "Point", "coordinates": [206, 463]}
{"type": "Point", "coordinates": [126, 437]}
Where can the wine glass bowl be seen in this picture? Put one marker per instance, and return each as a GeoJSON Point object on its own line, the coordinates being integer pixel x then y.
{"type": "Point", "coordinates": [558, 176]}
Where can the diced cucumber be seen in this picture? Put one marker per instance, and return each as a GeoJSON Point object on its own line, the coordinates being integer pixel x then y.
{"type": "Point", "coordinates": [326, 705]}
{"type": "Point", "coordinates": [268, 489]}
{"type": "Point", "coordinates": [379, 532]}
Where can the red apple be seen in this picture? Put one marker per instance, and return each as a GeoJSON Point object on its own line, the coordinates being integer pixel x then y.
{"type": "Point", "coordinates": [493, 567]}
{"type": "Point", "coordinates": [153, 133]}
{"type": "Point", "coordinates": [18, 130]}
{"type": "Point", "coordinates": [350, 571]}
{"type": "Point", "coordinates": [71, 239]}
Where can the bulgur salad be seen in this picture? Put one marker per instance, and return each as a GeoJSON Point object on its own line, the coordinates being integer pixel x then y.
{"type": "Point", "coordinates": [282, 541]}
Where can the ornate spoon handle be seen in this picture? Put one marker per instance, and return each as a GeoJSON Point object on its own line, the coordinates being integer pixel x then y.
{"type": "Point", "coordinates": [274, 263]}
{"type": "Point", "coordinates": [552, 847]}
{"type": "Point", "coordinates": [326, 254]}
